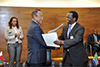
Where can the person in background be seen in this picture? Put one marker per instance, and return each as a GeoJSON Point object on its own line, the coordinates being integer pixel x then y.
{"type": "Point", "coordinates": [94, 41]}
{"type": "Point", "coordinates": [36, 45]}
{"type": "Point", "coordinates": [14, 35]}
{"type": "Point", "coordinates": [71, 38]}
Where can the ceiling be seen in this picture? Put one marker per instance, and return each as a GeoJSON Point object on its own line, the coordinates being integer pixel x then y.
{"type": "Point", "coordinates": [50, 3]}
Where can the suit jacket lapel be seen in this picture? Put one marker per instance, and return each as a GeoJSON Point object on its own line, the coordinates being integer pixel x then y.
{"type": "Point", "coordinates": [39, 26]}
{"type": "Point", "coordinates": [65, 31]}
{"type": "Point", "coordinates": [42, 31]}
{"type": "Point", "coordinates": [74, 28]}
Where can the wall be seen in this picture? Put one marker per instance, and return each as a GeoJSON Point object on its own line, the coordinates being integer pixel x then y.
{"type": "Point", "coordinates": [53, 17]}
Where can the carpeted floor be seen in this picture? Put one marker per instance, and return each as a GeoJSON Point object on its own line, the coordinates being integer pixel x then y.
{"type": "Point", "coordinates": [56, 64]}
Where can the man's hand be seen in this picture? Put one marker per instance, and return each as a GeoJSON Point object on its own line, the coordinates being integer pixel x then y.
{"type": "Point", "coordinates": [99, 41]}
{"type": "Point", "coordinates": [96, 42]}
{"type": "Point", "coordinates": [59, 42]}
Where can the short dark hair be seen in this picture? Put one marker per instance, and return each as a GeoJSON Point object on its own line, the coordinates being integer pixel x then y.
{"type": "Point", "coordinates": [35, 12]}
{"type": "Point", "coordinates": [10, 24]}
{"type": "Point", "coordinates": [75, 14]}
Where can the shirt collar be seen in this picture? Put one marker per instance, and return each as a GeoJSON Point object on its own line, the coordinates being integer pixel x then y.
{"type": "Point", "coordinates": [14, 27]}
{"type": "Point", "coordinates": [35, 21]}
{"type": "Point", "coordinates": [94, 34]}
{"type": "Point", "coordinates": [73, 25]}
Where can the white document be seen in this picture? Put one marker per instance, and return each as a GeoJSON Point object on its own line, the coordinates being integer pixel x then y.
{"type": "Point", "coordinates": [49, 38]}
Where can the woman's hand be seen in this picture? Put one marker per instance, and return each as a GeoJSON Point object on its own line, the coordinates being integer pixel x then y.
{"type": "Point", "coordinates": [18, 35]}
{"type": "Point", "coordinates": [15, 35]}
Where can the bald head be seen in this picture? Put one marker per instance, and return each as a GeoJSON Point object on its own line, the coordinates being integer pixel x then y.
{"type": "Point", "coordinates": [95, 31]}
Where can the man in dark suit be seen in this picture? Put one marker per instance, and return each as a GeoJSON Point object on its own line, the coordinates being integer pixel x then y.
{"type": "Point", "coordinates": [94, 40]}
{"type": "Point", "coordinates": [74, 54]}
{"type": "Point", "coordinates": [36, 45]}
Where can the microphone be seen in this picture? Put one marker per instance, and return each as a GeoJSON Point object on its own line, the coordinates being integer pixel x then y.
{"type": "Point", "coordinates": [55, 28]}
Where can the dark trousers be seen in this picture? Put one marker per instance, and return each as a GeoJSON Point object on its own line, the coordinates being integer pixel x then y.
{"type": "Point", "coordinates": [95, 49]}
{"type": "Point", "coordinates": [68, 62]}
{"type": "Point", "coordinates": [14, 51]}
{"type": "Point", "coordinates": [36, 65]}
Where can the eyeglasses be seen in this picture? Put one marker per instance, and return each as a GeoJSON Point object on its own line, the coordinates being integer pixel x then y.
{"type": "Point", "coordinates": [40, 16]}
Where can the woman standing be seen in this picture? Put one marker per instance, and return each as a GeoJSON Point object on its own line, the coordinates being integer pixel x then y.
{"type": "Point", "coordinates": [14, 35]}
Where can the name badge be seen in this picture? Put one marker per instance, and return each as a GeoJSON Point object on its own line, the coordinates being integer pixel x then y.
{"type": "Point", "coordinates": [71, 37]}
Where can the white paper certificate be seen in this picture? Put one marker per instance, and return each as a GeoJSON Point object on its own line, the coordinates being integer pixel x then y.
{"type": "Point", "coordinates": [49, 38]}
